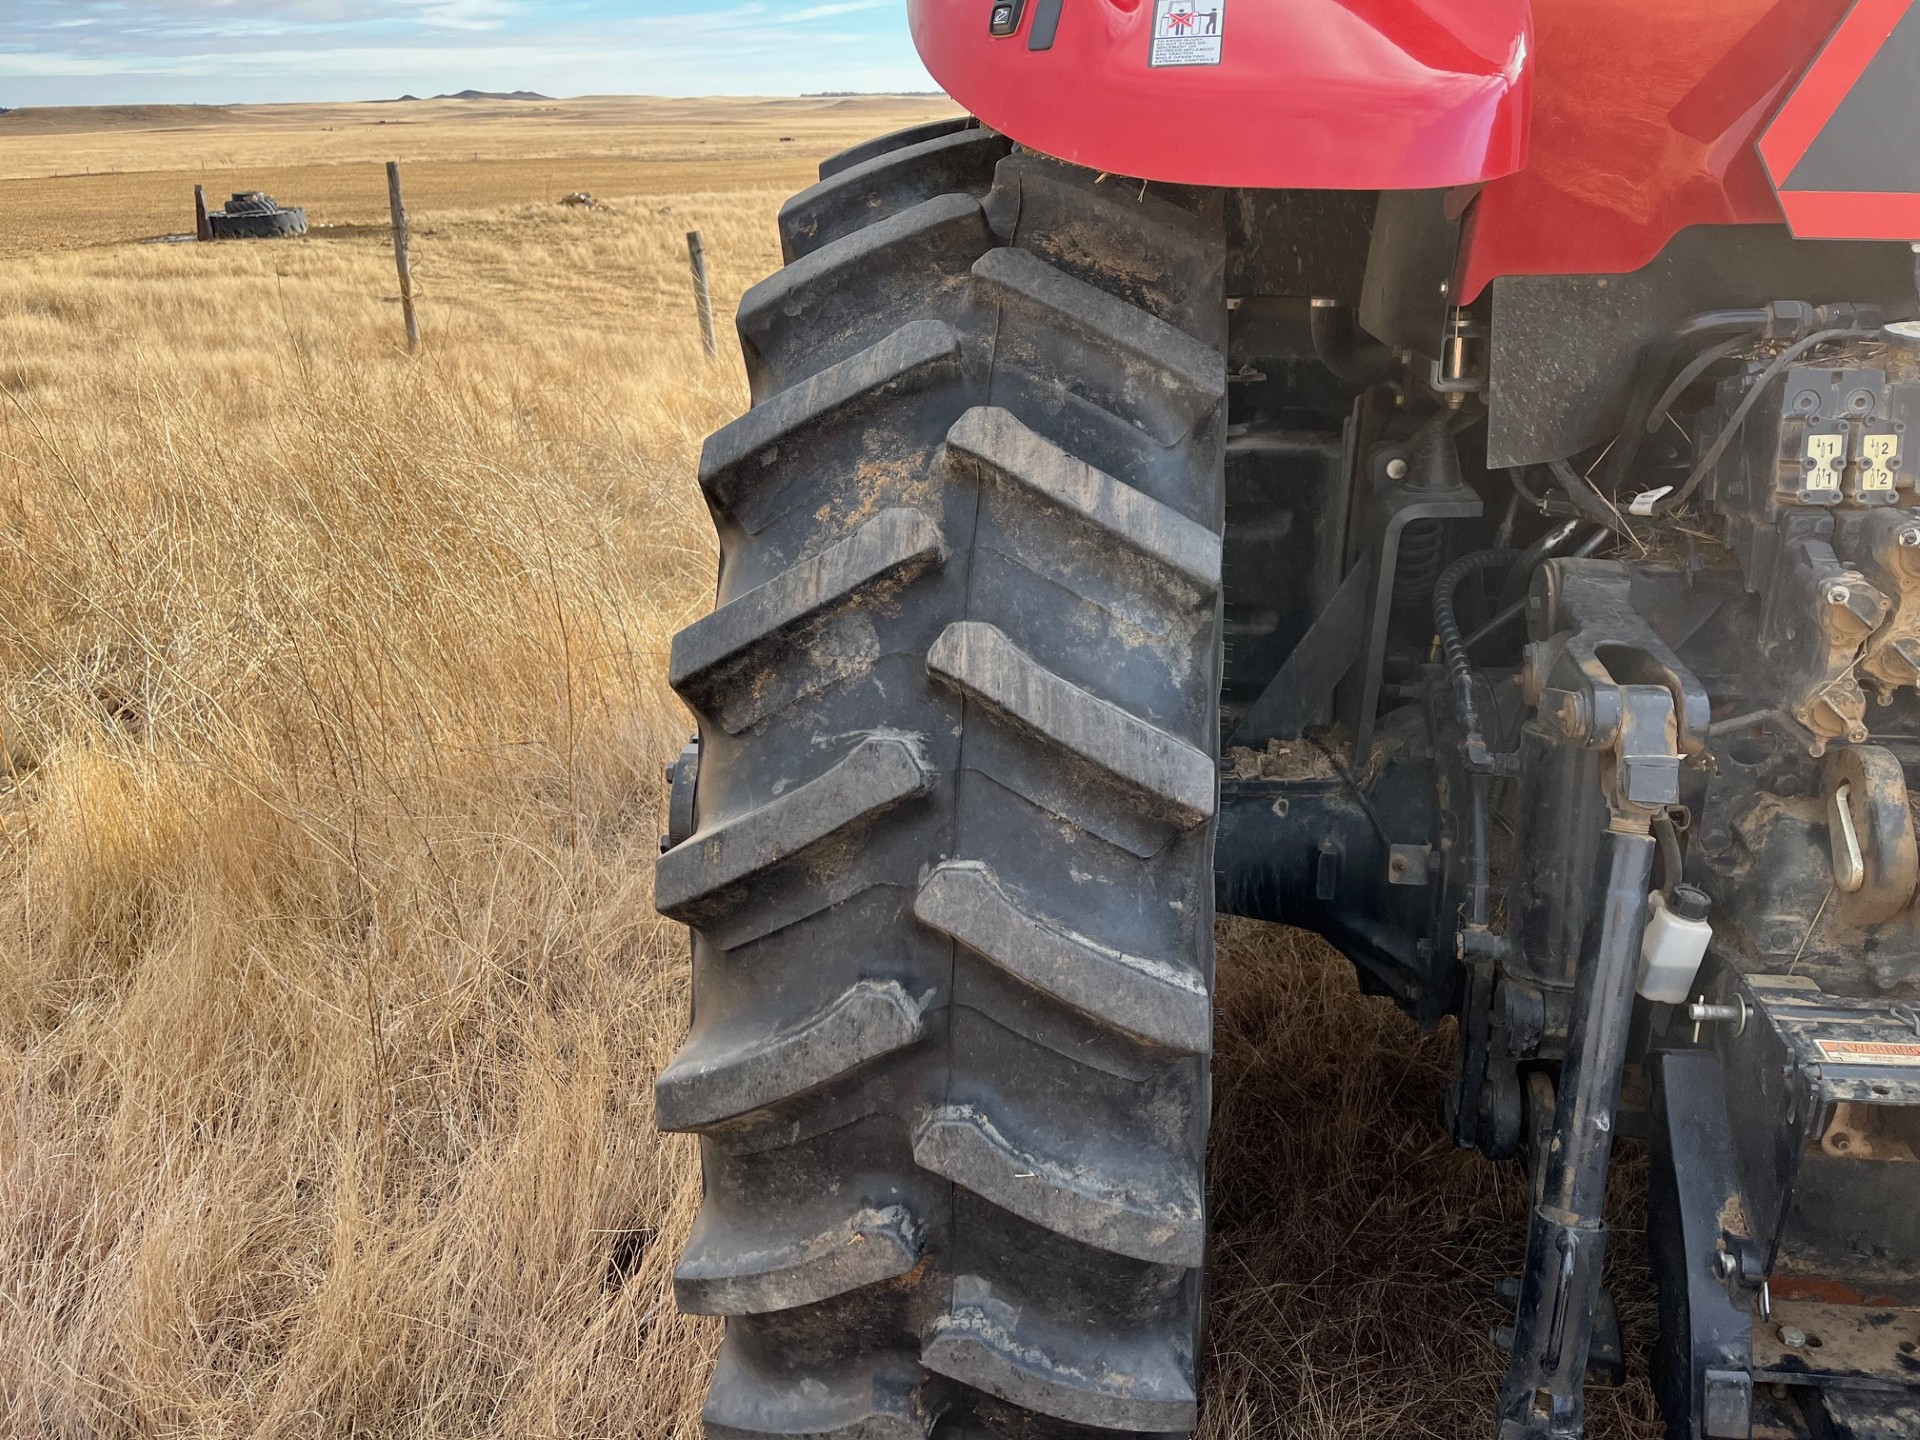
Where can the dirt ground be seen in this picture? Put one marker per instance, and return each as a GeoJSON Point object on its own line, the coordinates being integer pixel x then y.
{"type": "Point", "coordinates": [332, 712]}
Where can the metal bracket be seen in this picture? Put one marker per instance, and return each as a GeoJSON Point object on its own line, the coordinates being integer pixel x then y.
{"type": "Point", "coordinates": [1593, 661]}
{"type": "Point", "coordinates": [1704, 1368]}
{"type": "Point", "coordinates": [1297, 696]}
{"type": "Point", "coordinates": [1404, 506]}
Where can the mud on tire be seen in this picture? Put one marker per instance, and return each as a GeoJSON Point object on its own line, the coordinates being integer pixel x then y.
{"type": "Point", "coordinates": [951, 889]}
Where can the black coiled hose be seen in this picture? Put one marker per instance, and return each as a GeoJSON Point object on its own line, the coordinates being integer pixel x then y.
{"type": "Point", "coordinates": [1453, 645]}
{"type": "Point", "coordinates": [1482, 763]}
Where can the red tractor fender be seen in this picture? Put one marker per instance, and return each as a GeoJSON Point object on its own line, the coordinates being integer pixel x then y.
{"type": "Point", "coordinates": [1646, 123]}
{"type": "Point", "coordinates": [1312, 94]}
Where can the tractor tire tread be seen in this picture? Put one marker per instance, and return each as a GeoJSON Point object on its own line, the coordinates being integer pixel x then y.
{"type": "Point", "coordinates": [897, 140]}
{"type": "Point", "coordinates": [959, 162]}
{"type": "Point", "coordinates": [950, 877]}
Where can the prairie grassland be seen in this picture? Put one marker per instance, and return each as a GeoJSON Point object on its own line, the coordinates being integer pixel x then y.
{"type": "Point", "coordinates": [332, 714]}
{"type": "Point", "coordinates": [84, 177]}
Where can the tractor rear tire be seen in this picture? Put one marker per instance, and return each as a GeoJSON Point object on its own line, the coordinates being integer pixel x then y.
{"type": "Point", "coordinates": [952, 887]}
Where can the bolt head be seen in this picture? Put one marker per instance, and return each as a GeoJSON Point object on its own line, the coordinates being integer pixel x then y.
{"type": "Point", "coordinates": [1910, 537]}
{"type": "Point", "coordinates": [1792, 1336]}
{"type": "Point", "coordinates": [1838, 595]}
{"type": "Point", "coordinates": [1724, 1264]}
{"type": "Point", "coordinates": [1398, 469]}
{"type": "Point", "coordinates": [1572, 715]}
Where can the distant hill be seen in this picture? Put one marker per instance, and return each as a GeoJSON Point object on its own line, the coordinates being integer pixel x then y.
{"type": "Point", "coordinates": [476, 95]}
{"type": "Point", "coordinates": [76, 119]}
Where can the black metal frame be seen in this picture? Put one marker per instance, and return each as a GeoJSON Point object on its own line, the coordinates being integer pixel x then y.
{"type": "Point", "coordinates": [1596, 744]}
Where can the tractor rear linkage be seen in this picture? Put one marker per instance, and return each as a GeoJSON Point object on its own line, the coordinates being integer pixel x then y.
{"type": "Point", "coordinates": [1612, 750]}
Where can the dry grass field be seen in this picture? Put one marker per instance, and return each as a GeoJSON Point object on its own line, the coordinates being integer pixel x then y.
{"type": "Point", "coordinates": [332, 714]}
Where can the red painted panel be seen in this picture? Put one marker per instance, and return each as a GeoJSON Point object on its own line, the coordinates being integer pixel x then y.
{"type": "Point", "coordinates": [1320, 94]}
{"type": "Point", "coordinates": [1833, 74]}
{"type": "Point", "coordinates": [1645, 115]}
{"type": "Point", "coordinates": [1645, 122]}
{"type": "Point", "coordinates": [1839, 215]}
{"type": "Point", "coordinates": [1844, 215]}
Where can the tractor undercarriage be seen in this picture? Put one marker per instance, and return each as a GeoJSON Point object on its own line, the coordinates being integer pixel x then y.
{"type": "Point", "coordinates": [1557, 657]}
{"type": "Point", "coordinates": [1601, 596]}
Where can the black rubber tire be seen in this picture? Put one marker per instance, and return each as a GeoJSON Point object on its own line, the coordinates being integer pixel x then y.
{"type": "Point", "coordinates": [275, 225]}
{"type": "Point", "coordinates": [952, 885]}
{"type": "Point", "coordinates": [873, 149]}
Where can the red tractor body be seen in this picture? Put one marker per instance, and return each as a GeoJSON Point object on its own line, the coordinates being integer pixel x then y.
{"type": "Point", "coordinates": [1324, 94]}
{"type": "Point", "coordinates": [1580, 135]}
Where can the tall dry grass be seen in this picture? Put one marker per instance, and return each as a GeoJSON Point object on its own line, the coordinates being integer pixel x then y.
{"type": "Point", "coordinates": [330, 686]}
{"type": "Point", "coordinates": [331, 718]}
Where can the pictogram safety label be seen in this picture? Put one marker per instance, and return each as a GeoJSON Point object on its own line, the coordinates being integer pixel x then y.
{"type": "Point", "coordinates": [1188, 32]}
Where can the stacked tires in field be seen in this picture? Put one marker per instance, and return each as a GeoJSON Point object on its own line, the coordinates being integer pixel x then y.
{"type": "Point", "coordinates": [254, 215]}
{"type": "Point", "coordinates": [951, 887]}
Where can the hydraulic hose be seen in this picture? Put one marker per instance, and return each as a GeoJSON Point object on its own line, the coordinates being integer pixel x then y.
{"type": "Point", "coordinates": [1539, 504]}
{"type": "Point", "coordinates": [1513, 610]}
{"type": "Point", "coordinates": [1585, 498]}
{"type": "Point", "coordinates": [1453, 645]}
{"type": "Point", "coordinates": [1755, 391]}
{"type": "Point", "coordinates": [1689, 337]}
{"type": "Point", "coordinates": [1480, 761]}
{"type": "Point", "coordinates": [1667, 836]}
{"type": "Point", "coordinates": [1529, 561]}
{"type": "Point", "coordinates": [1684, 381]}
{"type": "Point", "coordinates": [1480, 853]}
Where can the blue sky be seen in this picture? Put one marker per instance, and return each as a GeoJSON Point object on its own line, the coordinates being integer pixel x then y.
{"type": "Point", "coordinates": [100, 52]}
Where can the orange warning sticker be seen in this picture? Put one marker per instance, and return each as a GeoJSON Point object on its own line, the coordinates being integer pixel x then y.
{"type": "Point", "coordinates": [1870, 1052]}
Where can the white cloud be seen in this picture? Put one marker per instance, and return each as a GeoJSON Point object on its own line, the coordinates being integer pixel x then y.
{"type": "Point", "coordinates": [842, 7]}
{"type": "Point", "coordinates": [119, 51]}
{"type": "Point", "coordinates": [468, 14]}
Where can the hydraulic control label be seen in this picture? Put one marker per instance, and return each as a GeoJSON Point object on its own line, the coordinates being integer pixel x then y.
{"type": "Point", "coordinates": [1188, 32]}
{"type": "Point", "coordinates": [1870, 1052]}
{"type": "Point", "coordinates": [1879, 454]}
{"type": "Point", "coordinates": [1826, 462]}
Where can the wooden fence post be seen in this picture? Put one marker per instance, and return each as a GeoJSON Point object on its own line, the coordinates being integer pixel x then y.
{"type": "Point", "coordinates": [202, 226]}
{"type": "Point", "coordinates": [402, 261]}
{"type": "Point", "coordinates": [702, 292]}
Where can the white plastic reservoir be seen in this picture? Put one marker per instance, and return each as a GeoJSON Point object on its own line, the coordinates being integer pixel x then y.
{"type": "Point", "coordinates": [1675, 944]}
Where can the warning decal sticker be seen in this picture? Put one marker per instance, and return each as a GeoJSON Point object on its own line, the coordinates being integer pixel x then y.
{"type": "Point", "coordinates": [1840, 153]}
{"type": "Point", "coordinates": [1188, 32]}
{"type": "Point", "coordinates": [1869, 1052]}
